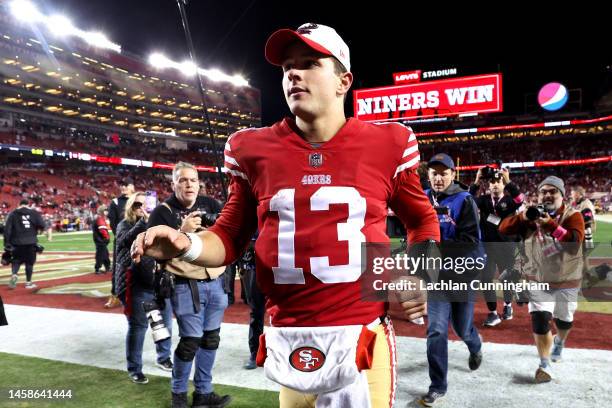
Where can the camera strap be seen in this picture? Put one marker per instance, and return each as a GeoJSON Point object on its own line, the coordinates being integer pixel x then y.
{"type": "Point", "coordinates": [195, 294]}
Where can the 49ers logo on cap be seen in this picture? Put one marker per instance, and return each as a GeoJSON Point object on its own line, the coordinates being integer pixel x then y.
{"type": "Point", "coordinates": [307, 359]}
{"type": "Point", "coordinates": [306, 29]}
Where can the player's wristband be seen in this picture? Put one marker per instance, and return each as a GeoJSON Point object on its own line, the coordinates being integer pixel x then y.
{"type": "Point", "coordinates": [194, 250]}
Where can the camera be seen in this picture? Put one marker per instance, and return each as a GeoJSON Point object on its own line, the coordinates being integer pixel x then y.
{"type": "Point", "coordinates": [208, 219]}
{"type": "Point", "coordinates": [490, 173]}
{"type": "Point", "coordinates": [535, 212]}
{"type": "Point", "coordinates": [587, 215]}
{"type": "Point", "coordinates": [39, 249]}
{"type": "Point", "coordinates": [159, 331]}
{"type": "Point", "coordinates": [164, 282]}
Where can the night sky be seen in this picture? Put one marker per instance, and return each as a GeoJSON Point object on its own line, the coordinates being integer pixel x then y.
{"type": "Point", "coordinates": [529, 48]}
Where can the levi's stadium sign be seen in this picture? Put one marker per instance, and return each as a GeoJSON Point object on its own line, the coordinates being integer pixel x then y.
{"type": "Point", "coordinates": [448, 97]}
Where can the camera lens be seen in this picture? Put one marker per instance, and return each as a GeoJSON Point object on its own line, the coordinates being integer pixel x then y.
{"type": "Point", "coordinates": [532, 213]}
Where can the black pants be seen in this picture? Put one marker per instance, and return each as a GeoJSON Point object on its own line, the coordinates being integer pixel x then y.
{"type": "Point", "coordinates": [102, 258]}
{"type": "Point", "coordinates": [257, 303]}
{"type": "Point", "coordinates": [230, 280]}
{"type": "Point", "coordinates": [3, 321]}
{"type": "Point", "coordinates": [113, 292]}
{"type": "Point", "coordinates": [24, 254]}
{"type": "Point", "coordinates": [500, 256]}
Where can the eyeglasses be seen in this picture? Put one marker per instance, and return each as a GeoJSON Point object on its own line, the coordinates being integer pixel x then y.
{"type": "Point", "coordinates": [551, 192]}
{"type": "Point", "coordinates": [137, 205]}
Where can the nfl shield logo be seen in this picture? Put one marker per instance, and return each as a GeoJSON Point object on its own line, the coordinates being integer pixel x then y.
{"type": "Point", "coordinates": [315, 159]}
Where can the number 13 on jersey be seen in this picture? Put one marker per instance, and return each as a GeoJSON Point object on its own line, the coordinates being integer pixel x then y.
{"type": "Point", "coordinates": [283, 202]}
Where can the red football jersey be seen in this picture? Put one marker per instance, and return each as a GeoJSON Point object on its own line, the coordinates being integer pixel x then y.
{"type": "Point", "coordinates": [315, 206]}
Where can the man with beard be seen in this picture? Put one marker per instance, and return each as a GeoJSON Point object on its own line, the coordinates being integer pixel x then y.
{"type": "Point", "coordinates": [552, 235]}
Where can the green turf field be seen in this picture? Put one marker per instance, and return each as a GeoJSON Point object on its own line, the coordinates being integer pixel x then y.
{"type": "Point", "coordinates": [70, 241]}
{"type": "Point", "coordinates": [604, 233]}
{"type": "Point", "coordinates": [100, 387]}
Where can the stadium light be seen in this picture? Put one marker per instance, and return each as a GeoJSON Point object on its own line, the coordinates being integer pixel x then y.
{"type": "Point", "coordinates": [60, 26]}
{"type": "Point", "coordinates": [188, 68]}
{"type": "Point", "coordinates": [160, 61]}
{"type": "Point", "coordinates": [25, 11]}
{"type": "Point", "coordinates": [99, 40]}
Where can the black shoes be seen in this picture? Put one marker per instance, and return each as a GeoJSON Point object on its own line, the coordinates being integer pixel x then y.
{"type": "Point", "coordinates": [211, 400]}
{"type": "Point", "coordinates": [179, 400]}
{"type": "Point", "coordinates": [165, 365]}
{"type": "Point", "coordinates": [475, 360]}
{"type": "Point", "coordinates": [139, 378]}
{"type": "Point", "coordinates": [250, 364]}
{"type": "Point", "coordinates": [430, 399]}
{"type": "Point", "coordinates": [507, 315]}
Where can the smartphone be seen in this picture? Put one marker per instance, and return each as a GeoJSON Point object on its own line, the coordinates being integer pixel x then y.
{"type": "Point", "coordinates": [150, 200]}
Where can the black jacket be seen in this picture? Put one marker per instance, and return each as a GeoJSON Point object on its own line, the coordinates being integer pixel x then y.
{"type": "Point", "coordinates": [142, 273]}
{"type": "Point", "coordinates": [506, 206]}
{"type": "Point", "coordinates": [22, 226]}
{"type": "Point", "coordinates": [116, 212]}
{"type": "Point", "coordinates": [173, 217]}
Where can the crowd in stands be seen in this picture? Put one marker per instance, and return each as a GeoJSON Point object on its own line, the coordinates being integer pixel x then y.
{"type": "Point", "coordinates": [109, 144]}
{"type": "Point", "coordinates": [69, 196]}
{"type": "Point", "coordinates": [68, 192]}
{"type": "Point", "coordinates": [543, 149]}
{"type": "Point", "coordinates": [152, 149]}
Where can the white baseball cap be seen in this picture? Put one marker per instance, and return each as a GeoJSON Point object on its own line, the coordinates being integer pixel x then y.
{"type": "Point", "coordinates": [319, 37]}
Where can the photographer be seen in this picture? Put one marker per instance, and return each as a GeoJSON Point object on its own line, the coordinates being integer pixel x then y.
{"type": "Point", "coordinates": [134, 286]}
{"type": "Point", "coordinates": [199, 299]}
{"type": "Point", "coordinates": [585, 207]}
{"type": "Point", "coordinates": [494, 207]}
{"type": "Point", "coordinates": [21, 240]}
{"type": "Point", "coordinates": [553, 234]}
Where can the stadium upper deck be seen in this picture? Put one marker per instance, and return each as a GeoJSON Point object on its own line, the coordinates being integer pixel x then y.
{"type": "Point", "coordinates": [68, 80]}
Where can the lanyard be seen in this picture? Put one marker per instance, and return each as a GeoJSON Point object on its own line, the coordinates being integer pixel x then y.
{"type": "Point", "coordinates": [446, 217]}
{"type": "Point", "coordinates": [435, 202]}
{"type": "Point", "coordinates": [494, 205]}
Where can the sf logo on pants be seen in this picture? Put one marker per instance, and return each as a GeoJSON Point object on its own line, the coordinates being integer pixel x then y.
{"type": "Point", "coordinates": [307, 359]}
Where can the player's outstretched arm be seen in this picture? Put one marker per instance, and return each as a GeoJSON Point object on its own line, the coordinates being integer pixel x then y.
{"type": "Point", "coordinates": [163, 242]}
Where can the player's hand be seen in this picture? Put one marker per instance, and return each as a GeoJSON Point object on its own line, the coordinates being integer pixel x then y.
{"type": "Point", "coordinates": [192, 222]}
{"type": "Point", "coordinates": [413, 301]}
{"type": "Point", "coordinates": [160, 242]}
